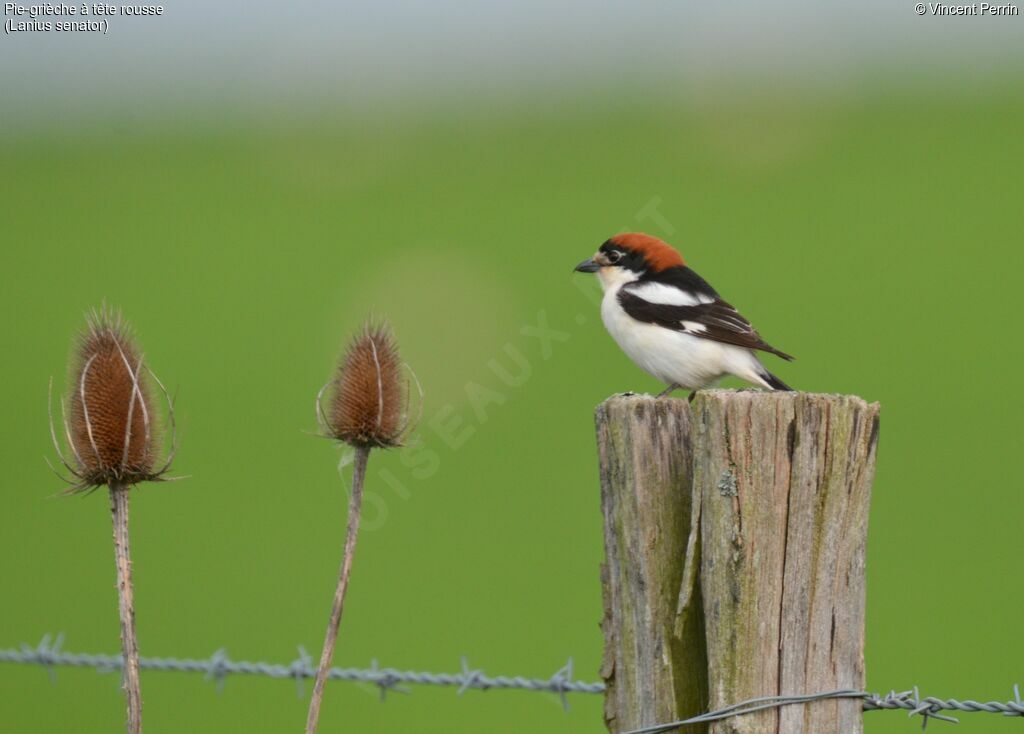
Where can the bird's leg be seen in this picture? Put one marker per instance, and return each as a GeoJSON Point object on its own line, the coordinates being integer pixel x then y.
{"type": "Point", "coordinates": [693, 394]}
{"type": "Point", "coordinates": [668, 390]}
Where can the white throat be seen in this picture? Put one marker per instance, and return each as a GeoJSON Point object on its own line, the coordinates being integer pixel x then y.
{"type": "Point", "coordinates": [612, 279]}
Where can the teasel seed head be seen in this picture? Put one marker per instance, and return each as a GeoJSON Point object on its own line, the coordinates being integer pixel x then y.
{"type": "Point", "coordinates": [113, 432]}
{"type": "Point", "coordinates": [369, 404]}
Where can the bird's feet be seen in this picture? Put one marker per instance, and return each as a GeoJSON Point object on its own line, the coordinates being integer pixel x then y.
{"type": "Point", "coordinates": [667, 391]}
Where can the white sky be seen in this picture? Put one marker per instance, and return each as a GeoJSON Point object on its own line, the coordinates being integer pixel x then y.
{"type": "Point", "coordinates": [255, 51]}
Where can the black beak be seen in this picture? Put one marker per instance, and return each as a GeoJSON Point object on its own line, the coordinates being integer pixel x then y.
{"type": "Point", "coordinates": [588, 266]}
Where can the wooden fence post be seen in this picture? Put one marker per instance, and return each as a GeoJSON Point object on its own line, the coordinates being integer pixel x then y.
{"type": "Point", "coordinates": [735, 531]}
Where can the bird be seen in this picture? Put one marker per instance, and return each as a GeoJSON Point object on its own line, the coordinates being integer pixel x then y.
{"type": "Point", "coordinates": [670, 322]}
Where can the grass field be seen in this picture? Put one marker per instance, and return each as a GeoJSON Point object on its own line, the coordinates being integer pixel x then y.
{"type": "Point", "coordinates": [876, 237]}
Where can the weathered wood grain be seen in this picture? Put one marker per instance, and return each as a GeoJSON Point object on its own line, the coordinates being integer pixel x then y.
{"type": "Point", "coordinates": [653, 674]}
{"type": "Point", "coordinates": [760, 502]}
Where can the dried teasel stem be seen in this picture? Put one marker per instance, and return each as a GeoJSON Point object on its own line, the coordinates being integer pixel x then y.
{"type": "Point", "coordinates": [119, 497]}
{"type": "Point", "coordinates": [368, 410]}
{"type": "Point", "coordinates": [337, 607]}
{"type": "Point", "coordinates": [113, 438]}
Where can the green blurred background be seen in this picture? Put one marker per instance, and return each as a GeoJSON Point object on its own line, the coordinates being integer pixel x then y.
{"type": "Point", "coordinates": [870, 224]}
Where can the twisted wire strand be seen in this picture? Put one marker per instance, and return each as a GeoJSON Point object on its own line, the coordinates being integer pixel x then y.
{"type": "Point", "coordinates": [217, 667]}
{"type": "Point", "coordinates": [49, 654]}
{"type": "Point", "coordinates": [909, 701]}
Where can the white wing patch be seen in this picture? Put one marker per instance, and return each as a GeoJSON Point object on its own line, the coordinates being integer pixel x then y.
{"type": "Point", "coordinates": [668, 295]}
{"type": "Point", "coordinates": [693, 327]}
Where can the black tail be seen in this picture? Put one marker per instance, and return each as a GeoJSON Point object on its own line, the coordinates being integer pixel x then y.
{"type": "Point", "coordinates": [774, 382]}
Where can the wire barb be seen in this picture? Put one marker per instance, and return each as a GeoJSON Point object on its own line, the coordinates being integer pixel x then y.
{"type": "Point", "coordinates": [386, 679]}
{"type": "Point", "coordinates": [302, 668]}
{"type": "Point", "coordinates": [470, 678]}
{"type": "Point", "coordinates": [217, 670]}
{"type": "Point", "coordinates": [1017, 706]}
{"type": "Point", "coordinates": [561, 679]}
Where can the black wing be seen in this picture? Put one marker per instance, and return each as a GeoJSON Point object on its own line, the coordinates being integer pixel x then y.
{"type": "Point", "coordinates": [716, 320]}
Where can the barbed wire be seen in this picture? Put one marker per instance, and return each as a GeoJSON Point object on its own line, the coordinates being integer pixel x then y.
{"type": "Point", "coordinates": [219, 666]}
{"type": "Point", "coordinates": [48, 653]}
{"type": "Point", "coordinates": [909, 701]}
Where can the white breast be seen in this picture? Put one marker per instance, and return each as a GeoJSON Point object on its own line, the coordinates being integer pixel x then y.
{"type": "Point", "coordinates": [671, 356]}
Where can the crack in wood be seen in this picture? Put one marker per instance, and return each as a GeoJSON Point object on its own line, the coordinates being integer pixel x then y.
{"type": "Point", "coordinates": [734, 536]}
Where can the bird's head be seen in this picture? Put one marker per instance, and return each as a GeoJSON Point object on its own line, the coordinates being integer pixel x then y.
{"type": "Point", "coordinates": [627, 257]}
